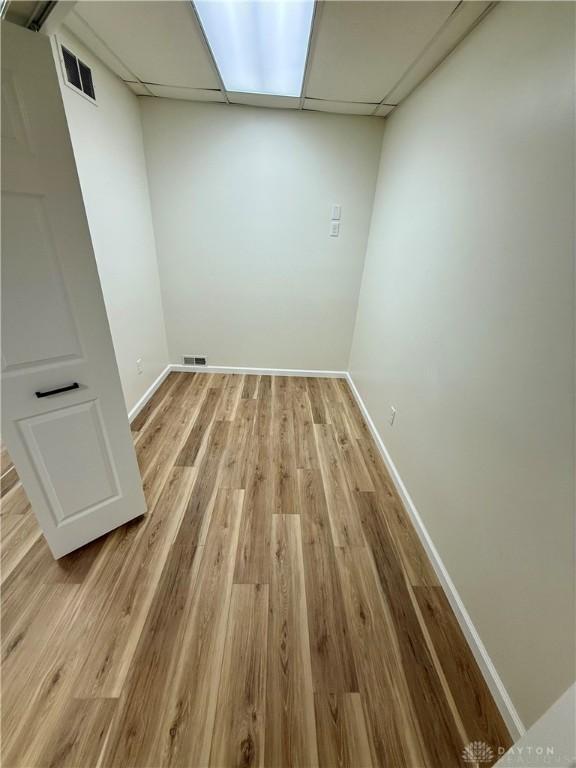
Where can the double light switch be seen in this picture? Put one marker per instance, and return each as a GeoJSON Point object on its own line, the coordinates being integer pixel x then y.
{"type": "Point", "coordinates": [335, 222]}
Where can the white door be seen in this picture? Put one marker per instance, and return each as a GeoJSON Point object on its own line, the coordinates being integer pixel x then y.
{"type": "Point", "coordinates": [64, 421]}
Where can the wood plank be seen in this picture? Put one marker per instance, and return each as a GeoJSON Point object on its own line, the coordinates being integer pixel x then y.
{"type": "Point", "coordinates": [239, 727]}
{"type": "Point", "coordinates": [24, 640]}
{"type": "Point", "coordinates": [5, 460]}
{"type": "Point", "coordinates": [152, 433]}
{"type": "Point", "coordinates": [304, 439]}
{"type": "Point", "coordinates": [54, 681]}
{"type": "Point", "coordinates": [234, 471]}
{"type": "Point", "coordinates": [395, 738]}
{"type": "Point", "coordinates": [284, 478]}
{"type": "Point", "coordinates": [353, 463]}
{"type": "Point", "coordinates": [230, 396]}
{"type": "Point", "coordinates": [26, 652]}
{"type": "Point", "coordinates": [117, 548]}
{"type": "Point", "coordinates": [415, 561]}
{"type": "Point", "coordinates": [331, 392]}
{"type": "Point", "coordinates": [219, 380]}
{"type": "Point", "coordinates": [168, 429]}
{"type": "Point", "coordinates": [75, 567]}
{"type": "Point", "coordinates": [35, 671]}
{"type": "Point", "coordinates": [78, 738]}
{"type": "Point", "coordinates": [253, 556]}
{"type": "Point", "coordinates": [346, 528]}
{"type": "Point", "coordinates": [19, 534]}
{"type": "Point", "coordinates": [140, 721]}
{"type": "Point", "coordinates": [15, 502]}
{"type": "Point", "coordinates": [252, 559]}
{"type": "Point", "coordinates": [317, 403]}
{"type": "Point", "coordinates": [250, 386]}
{"type": "Point", "coordinates": [19, 590]}
{"type": "Point", "coordinates": [190, 449]}
{"type": "Point", "coordinates": [358, 425]}
{"type": "Point", "coordinates": [290, 723]}
{"type": "Point", "coordinates": [193, 704]}
{"type": "Point", "coordinates": [264, 387]}
{"type": "Point", "coordinates": [341, 728]}
{"type": "Point", "coordinates": [440, 731]}
{"type": "Point", "coordinates": [480, 716]}
{"type": "Point", "coordinates": [282, 392]}
{"type": "Point", "coordinates": [39, 566]}
{"type": "Point", "coordinates": [180, 724]}
{"type": "Point", "coordinates": [8, 480]}
{"type": "Point", "coordinates": [333, 667]}
{"type": "Point", "coordinates": [196, 518]}
{"type": "Point", "coordinates": [120, 623]}
{"type": "Point", "coordinates": [140, 420]}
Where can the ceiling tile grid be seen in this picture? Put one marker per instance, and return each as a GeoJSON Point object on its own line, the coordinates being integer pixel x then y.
{"type": "Point", "coordinates": [365, 56]}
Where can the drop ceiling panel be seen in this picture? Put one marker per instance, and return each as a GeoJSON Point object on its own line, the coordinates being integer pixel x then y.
{"type": "Point", "coordinates": [83, 32]}
{"type": "Point", "coordinates": [339, 107]}
{"type": "Point", "coordinates": [264, 100]}
{"type": "Point", "coordinates": [21, 12]}
{"type": "Point", "coordinates": [187, 94]}
{"type": "Point", "coordinates": [384, 110]}
{"type": "Point", "coordinates": [365, 56]}
{"type": "Point", "coordinates": [458, 26]}
{"type": "Point", "coordinates": [160, 42]}
{"type": "Point", "coordinates": [138, 88]}
{"type": "Point", "coordinates": [362, 48]}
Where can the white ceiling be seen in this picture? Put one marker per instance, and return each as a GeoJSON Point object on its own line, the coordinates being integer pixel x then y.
{"type": "Point", "coordinates": [362, 49]}
{"type": "Point", "coordinates": [365, 56]}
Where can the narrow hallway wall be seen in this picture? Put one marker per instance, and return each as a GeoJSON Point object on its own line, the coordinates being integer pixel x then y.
{"type": "Point", "coordinates": [466, 327]}
{"type": "Point", "coordinates": [107, 142]}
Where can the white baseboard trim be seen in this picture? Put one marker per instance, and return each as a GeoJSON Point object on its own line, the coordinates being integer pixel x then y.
{"type": "Point", "coordinates": [259, 371]}
{"type": "Point", "coordinates": [495, 684]}
{"type": "Point", "coordinates": [133, 412]}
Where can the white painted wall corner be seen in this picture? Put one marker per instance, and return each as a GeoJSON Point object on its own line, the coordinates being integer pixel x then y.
{"type": "Point", "coordinates": [133, 412]}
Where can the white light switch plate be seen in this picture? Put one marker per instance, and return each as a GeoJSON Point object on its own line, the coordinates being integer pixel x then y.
{"type": "Point", "coordinates": [334, 228]}
{"type": "Point", "coordinates": [336, 212]}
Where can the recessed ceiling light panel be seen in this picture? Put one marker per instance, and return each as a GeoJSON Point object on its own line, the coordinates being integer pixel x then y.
{"type": "Point", "coordinates": [260, 46]}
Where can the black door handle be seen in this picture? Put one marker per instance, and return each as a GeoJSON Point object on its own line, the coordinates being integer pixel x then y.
{"type": "Point", "coordinates": [59, 390]}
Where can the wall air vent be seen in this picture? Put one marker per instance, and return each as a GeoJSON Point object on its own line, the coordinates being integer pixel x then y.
{"type": "Point", "coordinates": [78, 75]}
{"type": "Point", "coordinates": [194, 360]}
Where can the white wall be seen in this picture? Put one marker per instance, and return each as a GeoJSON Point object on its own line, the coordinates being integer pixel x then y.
{"type": "Point", "coordinates": [242, 199]}
{"type": "Point", "coordinates": [107, 142]}
{"type": "Point", "coordinates": [550, 741]}
{"type": "Point", "coordinates": [465, 325]}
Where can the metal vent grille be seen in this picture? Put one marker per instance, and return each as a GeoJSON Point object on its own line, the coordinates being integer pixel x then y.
{"type": "Point", "coordinates": [71, 65]}
{"type": "Point", "coordinates": [86, 78]}
{"type": "Point", "coordinates": [78, 74]}
{"type": "Point", "coordinates": [194, 360]}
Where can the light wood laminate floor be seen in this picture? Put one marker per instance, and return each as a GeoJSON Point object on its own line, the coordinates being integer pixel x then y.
{"type": "Point", "coordinates": [274, 607]}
